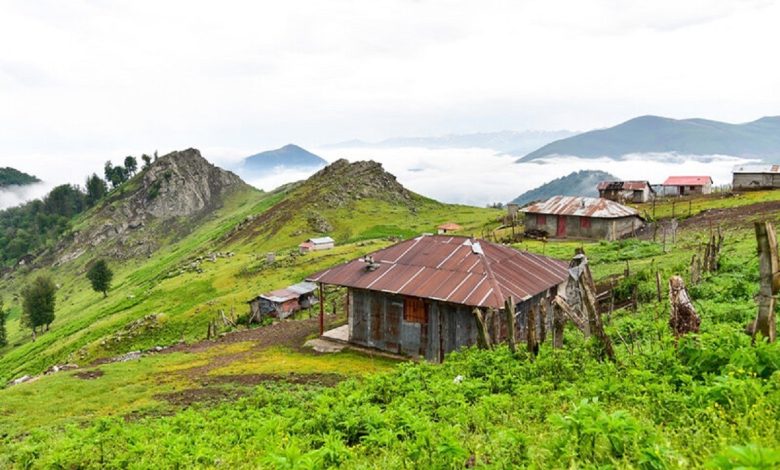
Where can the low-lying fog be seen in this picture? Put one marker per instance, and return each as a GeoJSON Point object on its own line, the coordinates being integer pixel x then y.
{"type": "Point", "coordinates": [480, 176]}
{"type": "Point", "coordinates": [475, 176]}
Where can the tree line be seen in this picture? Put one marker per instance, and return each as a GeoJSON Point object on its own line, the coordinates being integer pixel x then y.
{"type": "Point", "coordinates": [37, 225]}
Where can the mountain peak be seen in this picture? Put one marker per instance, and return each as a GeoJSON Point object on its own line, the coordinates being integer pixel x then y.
{"type": "Point", "coordinates": [289, 156]}
{"type": "Point", "coordinates": [138, 216]}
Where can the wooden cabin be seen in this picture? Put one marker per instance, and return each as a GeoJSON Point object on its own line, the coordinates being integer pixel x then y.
{"type": "Point", "coordinates": [581, 217]}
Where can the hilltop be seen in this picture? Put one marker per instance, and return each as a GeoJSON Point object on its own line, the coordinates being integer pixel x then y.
{"type": "Point", "coordinates": [655, 134]}
{"type": "Point", "coordinates": [13, 177]}
{"type": "Point", "coordinates": [288, 157]}
{"type": "Point", "coordinates": [578, 183]}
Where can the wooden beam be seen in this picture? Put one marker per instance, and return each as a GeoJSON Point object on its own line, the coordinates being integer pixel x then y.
{"type": "Point", "coordinates": [768, 269]}
{"type": "Point", "coordinates": [509, 310]}
{"type": "Point", "coordinates": [322, 310]}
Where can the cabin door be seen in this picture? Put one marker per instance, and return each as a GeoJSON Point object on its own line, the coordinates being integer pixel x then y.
{"type": "Point", "coordinates": [561, 232]}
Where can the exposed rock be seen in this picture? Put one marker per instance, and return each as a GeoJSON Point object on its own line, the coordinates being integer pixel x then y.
{"type": "Point", "coordinates": [20, 380]}
{"type": "Point", "coordinates": [59, 368]}
{"type": "Point", "coordinates": [134, 219]}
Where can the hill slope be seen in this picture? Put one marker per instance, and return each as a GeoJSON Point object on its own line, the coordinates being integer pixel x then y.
{"type": "Point", "coordinates": [13, 177]}
{"type": "Point", "coordinates": [198, 247]}
{"type": "Point", "coordinates": [578, 183]}
{"type": "Point", "coordinates": [289, 156]}
{"type": "Point", "coordinates": [648, 134]}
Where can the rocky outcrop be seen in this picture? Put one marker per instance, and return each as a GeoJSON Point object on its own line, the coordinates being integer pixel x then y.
{"type": "Point", "coordinates": [168, 198]}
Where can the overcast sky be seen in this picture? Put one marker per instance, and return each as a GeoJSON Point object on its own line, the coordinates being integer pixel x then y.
{"type": "Point", "coordinates": [89, 80]}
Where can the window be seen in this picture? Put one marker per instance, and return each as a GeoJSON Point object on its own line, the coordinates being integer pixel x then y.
{"type": "Point", "coordinates": [541, 219]}
{"type": "Point", "coordinates": [584, 222]}
{"type": "Point", "coordinates": [414, 310]}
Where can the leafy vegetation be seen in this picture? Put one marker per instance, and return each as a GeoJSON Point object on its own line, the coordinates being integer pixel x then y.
{"type": "Point", "coordinates": [38, 303]}
{"type": "Point", "coordinates": [100, 276]}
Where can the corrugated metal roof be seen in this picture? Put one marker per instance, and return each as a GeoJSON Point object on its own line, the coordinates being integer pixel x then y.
{"type": "Point", "coordinates": [757, 169]}
{"type": "Point", "coordinates": [450, 226]}
{"type": "Point", "coordinates": [289, 293]}
{"type": "Point", "coordinates": [321, 240]}
{"type": "Point", "coordinates": [581, 206]}
{"type": "Point", "coordinates": [623, 185]}
{"type": "Point", "coordinates": [451, 269]}
{"type": "Point", "coordinates": [687, 181]}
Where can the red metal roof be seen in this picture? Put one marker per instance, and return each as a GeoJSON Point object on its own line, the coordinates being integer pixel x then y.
{"type": "Point", "coordinates": [623, 185]}
{"type": "Point", "coordinates": [581, 206]}
{"type": "Point", "coordinates": [687, 181]}
{"type": "Point", "coordinates": [451, 269]}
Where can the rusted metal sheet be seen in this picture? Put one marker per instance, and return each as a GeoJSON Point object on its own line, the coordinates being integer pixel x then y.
{"type": "Point", "coordinates": [580, 206]}
{"type": "Point", "coordinates": [688, 181]}
{"type": "Point", "coordinates": [451, 269]}
{"type": "Point", "coordinates": [624, 186]}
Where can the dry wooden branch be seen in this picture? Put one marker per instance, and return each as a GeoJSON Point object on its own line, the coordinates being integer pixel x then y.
{"type": "Point", "coordinates": [483, 337]}
{"type": "Point", "coordinates": [683, 318]}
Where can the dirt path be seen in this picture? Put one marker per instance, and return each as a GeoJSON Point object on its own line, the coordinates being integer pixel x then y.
{"type": "Point", "coordinates": [288, 333]}
{"type": "Point", "coordinates": [732, 216]}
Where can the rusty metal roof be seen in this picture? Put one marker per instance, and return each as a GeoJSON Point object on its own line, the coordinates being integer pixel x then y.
{"type": "Point", "coordinates": [289, 293]}
{"type": "Point", "coordinates": [624, 185]}
{"type": "Point", "coordinates": [687, 181]}
{"type": "Point", "coordinates": [451, 269]}
{"type": "Point", "coordinates": [581, 206]}
{"type": "Point", "coordinates": [757, 169]}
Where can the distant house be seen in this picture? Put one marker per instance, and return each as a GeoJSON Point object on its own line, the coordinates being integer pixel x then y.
{"type": "Point", "coordinates": [756, 177]}
{"type": "Point", "coordinates": [448, 228]}
{"type": "Point", "coordinates": [626, 191]}
{"type": "Point", "coordinates": [283, 302]}
{"type": "Point", "coordinates": [317, 244]}
{"type": "Point", "coordinates": [417, 297]}
{"type": "Point", "coordinates": [687, 185]}
{"type": "Point", "coordinates": [581, 217]}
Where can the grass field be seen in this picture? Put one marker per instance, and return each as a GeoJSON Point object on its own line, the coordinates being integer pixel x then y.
{"type": "Point", "coordinates": [710, 400]}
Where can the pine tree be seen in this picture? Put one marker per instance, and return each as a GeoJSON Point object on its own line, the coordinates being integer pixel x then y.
{"type": "Point", "coordinates": [147, 160]}
{"type": "Point", "coordinates": [38, 301]}
{"type": "Point", "coordinates": [96, 189]}
{"type": "Point", "coordinates": [100, 276]}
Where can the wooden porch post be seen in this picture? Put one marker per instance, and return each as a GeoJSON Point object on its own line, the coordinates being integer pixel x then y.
{"type": "Point", "coordinates": [768, 268]}
{"type": "Point", "coordinates": [322, 310]}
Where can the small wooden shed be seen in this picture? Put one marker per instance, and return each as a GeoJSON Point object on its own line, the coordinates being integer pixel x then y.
{"type": "Point", "coordinates": [417, 297]}
{"type": "Point", "coordinates": [581, 217]}
{"type": "Point", "coordinates": [687, 185]}
{"type": "Point", "coordinates": [283, 303]}
{"type": "Point", "coordinates": [317, 244]}
{"type": "Point", "coordinates": [626, 191]}
{"type": "Point", "coordinates": [756, 177]}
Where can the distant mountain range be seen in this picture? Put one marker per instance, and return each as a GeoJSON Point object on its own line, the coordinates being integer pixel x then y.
{"type": "Point", "coordinates": [511, 142]}
{"type": "Point", "coordinates": [13, 177]}
{"type": "Point", "coordinates": [654, 134]}
{"type": "Point", "coordinates": [288, 157]}
{"type": "Point", "coordinates": [579, 183]}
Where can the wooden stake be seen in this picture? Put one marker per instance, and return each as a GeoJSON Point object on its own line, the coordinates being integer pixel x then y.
{"type": "Point", "coordinates": [768, 269]}
{"type": "Point", "coordinates": [530, 331]}
{"type": "Point", "coordinates": [658, 285]}
{"type": "Point", "coordinates": [483, 337]}
{"type": "Point", "coordinates": [509, 309]}
{"type": "Point", "coordinates": [558, 324]}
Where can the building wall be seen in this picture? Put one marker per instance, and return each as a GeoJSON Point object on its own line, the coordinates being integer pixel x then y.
{"type": "Point", "coordinates": [323, 246]}
{"type": "Point", "coordinates": [584, 227]}
{"type": "Point", "coordinates": [685, 190]}
{"type": "Point", "coordinates": [376, 319]}
{"type": "Point", "coordinates": [756, 180]}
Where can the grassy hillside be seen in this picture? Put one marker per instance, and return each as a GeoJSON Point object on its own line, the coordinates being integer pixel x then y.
{"type": "Point", "coordinates": [654, 134]}
{"type": "Point", "coordinates": [179, 291]}
{"type": "Point", "coordinates": [710, 400]}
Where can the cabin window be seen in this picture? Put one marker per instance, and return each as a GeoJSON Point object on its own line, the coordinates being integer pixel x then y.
{"type": "Point", "coordinates": [584, 222]}
{"type": "Point", "coordinates": [414, 310]}
{"type": "Point", "coordinates": [541, 219]}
